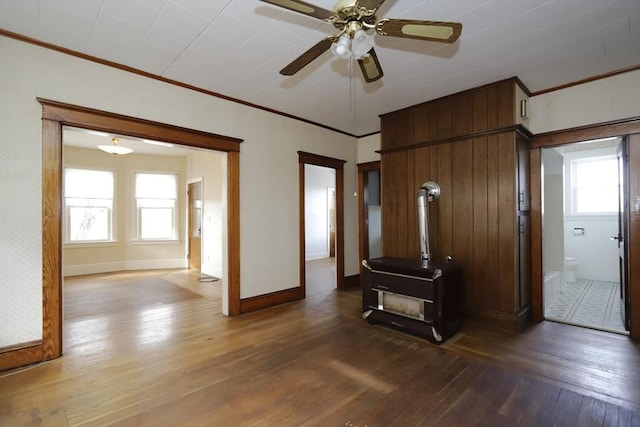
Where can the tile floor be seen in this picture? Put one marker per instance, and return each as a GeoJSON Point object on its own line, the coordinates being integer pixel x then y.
{"type": "Point", "coordinates": [590, 303]}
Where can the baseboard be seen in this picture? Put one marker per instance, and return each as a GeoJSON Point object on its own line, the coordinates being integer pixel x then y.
{"type": "Point", "coordinates": [507, 322]}
{"type": "Point", "coordinates": [19, 355]}
{"type": "Point", "coordinates": [108, 267]}
{"type": "Point", "coordinates": [269, 300]}
{"type": "Point", "coordinates": [352, 281]}
{"type": "Point", "coordinates": [319, 255]}
{"type": "Point", "coordinates": [211, 270]}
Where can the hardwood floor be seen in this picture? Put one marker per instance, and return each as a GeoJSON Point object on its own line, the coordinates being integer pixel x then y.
{"type": "Point", "coordinates": [152, 348]}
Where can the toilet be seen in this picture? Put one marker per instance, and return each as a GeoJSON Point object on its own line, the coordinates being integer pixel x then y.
{"type": "Point", "coordinates": [570, 265]}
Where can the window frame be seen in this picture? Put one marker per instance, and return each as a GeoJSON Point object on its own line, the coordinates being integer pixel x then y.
{"type": "Point", "coordinates": [112, 226]}
{"type": "Point", "coordinates": [571, 195]}
{"type": "Point", "coordinates": [137, 216]}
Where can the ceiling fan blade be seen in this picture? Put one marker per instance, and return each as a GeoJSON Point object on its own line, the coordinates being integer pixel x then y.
{"type": "Point", "coordinates": [370, 67]}
{"type": "Point", "coordinates": [446, 32]}
{"type": "Point", "coordinates": [303, 60]}
{"type": "Point", "coordinates": [369, 4]}
{"type": "Point", "coordinates": [302, 7]}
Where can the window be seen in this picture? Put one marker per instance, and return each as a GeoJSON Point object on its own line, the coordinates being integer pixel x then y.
{"type": "Point", "coordinates": [88, 198]}
{"type": "Point", "coordinates": [156, 197]}
{"type": "Point", "coordinates": [594, 183]}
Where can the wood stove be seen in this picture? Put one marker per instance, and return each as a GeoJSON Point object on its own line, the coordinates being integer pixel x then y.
{"type": "Point", "coordinates": [419, 296]}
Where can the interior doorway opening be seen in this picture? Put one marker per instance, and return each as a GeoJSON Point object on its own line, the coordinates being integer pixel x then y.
{"type": "Point", "coordinates": [321, 176]}
{"type": "Point", "coordinates": [56, 115]}
{"type": "Point", "coordinates": [582, 283]}
{"type": "Point", "coordinates": [320, 229]}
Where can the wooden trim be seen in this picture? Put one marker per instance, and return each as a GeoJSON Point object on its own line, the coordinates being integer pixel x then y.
{"type": "Point", "coordinates": [72, 115]}
{"type": "Point", "coordinates": [369, 166]}
{"type": "Point", "coordinates": [51, 239]}
{"type": "Point", "coordinates": [493, 319]}
{"type": "Point", "coordinates": [512, 128]}
{"type": "Point", "coordinates": [363, 202]}
{"type": "Point", "coordinates": [586, 133]}
{"type": "Point", "coordinates": [587, 80]}
{"type": "Point", "coordinates": [161, 79]}
{"type": "Point", "coordinates": [634, 234]}
{"type": "Point", "coordinates": [318, 160]}
{"type": "Point", "coordinates": [269, 300]}
{"type": "Point", "coordinates": [368, 134]}
{"type": "Point", "coordinates": [233, 232]}
{"type": "Point", "coordinates": [19, 355]}
{"type": "Point", "coordinates": [352, 281]}
{"type": "Point", "coordinates": [338, 166]}
{"type": "Point", "coordinates": [340, 228]}
{"type": "Point", "coordinates": [55, 116]}
{"type": "Point", "coordinates": [302, 232]}
{"type": "Point", "coordinates": [535, 188]}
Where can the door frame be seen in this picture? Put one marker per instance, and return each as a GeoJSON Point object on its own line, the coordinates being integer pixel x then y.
{"type": "Point", "coordinates": [338, 165]}
{"type": "Point", "coordinates": [622, 157]}
{"type": "Point", "coordinates": [631, 127]}
{"type": "Point", "coordinates": [363, 202]}
{"type": "Point", "coordinates": [56, 115]}
{"type": "Point", "coordinates": [190, 182]}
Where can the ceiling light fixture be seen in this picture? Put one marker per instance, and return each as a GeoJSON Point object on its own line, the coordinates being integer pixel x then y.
{"type": "Point", "coordinates": [115, 148]}
{"type": "Point", "coordinates": [354, 42]}
{"type": "Point", "coordinates": [161, 144]}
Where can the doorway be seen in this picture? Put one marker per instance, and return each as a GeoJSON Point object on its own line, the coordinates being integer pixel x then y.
{"type": "Point", "coordinates": [320, 228]}
{"type": "Point", "coordinates": [194, 225]}
{"type": "Point", "coordinates": [369, 210]}
{"type": "Point", "coordinates": [336, 167]}
{"type": "Point", "coordinates": [580, 253]}
{"type": "Point", "coordinates": [54, 116]}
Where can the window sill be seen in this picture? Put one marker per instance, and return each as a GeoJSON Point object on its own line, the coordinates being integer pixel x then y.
{"type": "Point", "coordinates": [591, 217]}
{"type": "Point", "coordinates": [79, 245]}
{"type": "Point", "coordinates": [156, 242]}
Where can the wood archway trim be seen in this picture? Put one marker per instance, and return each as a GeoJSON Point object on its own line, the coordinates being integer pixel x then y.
{"type": "Point", "coordinates": [338, 165]}
{"type": "Point", "coordinates": [630, 127]}
{"type": "Point", "coordinates": [55, 115]}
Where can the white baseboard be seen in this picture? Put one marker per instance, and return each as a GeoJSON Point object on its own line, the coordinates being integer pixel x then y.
{"type": "Point", "coordinates": [211, 270]}
{"type": "Point", "coordinates": [108, 267]}
{"type": "Point", "coordinates": [319, 255]}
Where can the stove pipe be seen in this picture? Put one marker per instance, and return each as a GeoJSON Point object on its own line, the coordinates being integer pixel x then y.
{"type": "Point", "coordinates": [428, 192]}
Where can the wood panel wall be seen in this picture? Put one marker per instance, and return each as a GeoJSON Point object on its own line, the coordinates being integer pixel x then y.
{"type": "Point", "coordinates": [468, 144]}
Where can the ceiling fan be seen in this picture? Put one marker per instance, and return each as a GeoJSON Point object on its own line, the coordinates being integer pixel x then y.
{"type": "Point", "coordinates": [353, 18]}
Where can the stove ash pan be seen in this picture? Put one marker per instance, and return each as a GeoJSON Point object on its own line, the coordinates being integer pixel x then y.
{"type": "Point", "coordinates": [420, 297]}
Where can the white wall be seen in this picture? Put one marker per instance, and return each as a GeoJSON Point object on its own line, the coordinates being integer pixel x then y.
{"type": "Point", "coordinates": [597, 254]}
{"type": "Point", "coordinates": [553, 212]}
{"type": "Point", "coordinates": [367, 147]}
{"type": "Point", "coordinates": [208, 167]}
{"type": "Point", "coordinates": [616, 97]}
{"type": "Point", "coordinates": [316, 219]}
{"type": "Point", "coordinates": [268, 170]}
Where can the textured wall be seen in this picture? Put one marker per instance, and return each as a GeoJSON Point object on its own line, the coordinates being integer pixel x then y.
{"type": "Point", "coordinates": [616, 97]}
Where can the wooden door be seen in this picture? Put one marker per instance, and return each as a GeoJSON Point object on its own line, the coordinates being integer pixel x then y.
{"type": "Point", "coordinates": [331, 214]}
{"type": "Point", "coordinates": [194, 244]}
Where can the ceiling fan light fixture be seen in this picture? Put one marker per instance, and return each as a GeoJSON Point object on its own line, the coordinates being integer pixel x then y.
{"type": "Point", "coordinates": [341, 47]}
{"type": "Point", "coordinates": [361, 44]}
{"type": "Point", "coordinates": [115, 149]}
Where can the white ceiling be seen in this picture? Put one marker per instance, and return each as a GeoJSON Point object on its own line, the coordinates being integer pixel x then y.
{"type": "Point", "coordinates": [236, 48]}
{"type": "Point", "coordinates": [83, 138]}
